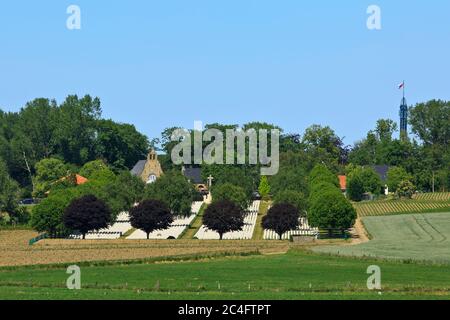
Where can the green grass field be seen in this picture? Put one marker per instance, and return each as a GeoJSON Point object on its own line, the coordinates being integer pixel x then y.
{"type": "Point", "coordinates": [295, 275]}
{"type": "Point", "coordinates": [412, 250]}
{"type": "Point", "coordinates": [407, 237]}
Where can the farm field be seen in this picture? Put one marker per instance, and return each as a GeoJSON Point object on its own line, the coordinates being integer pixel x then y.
{"type": "Point", "coordinates": [422, 203]}
{"type": "Point", "coordinates": [407, 237]}
{"type": "Point", "coordinates": [15, 251]}
{"type": "Point", "coordinates": [437, 196]}
{"type": "Point", "coordinates": [295, 275]}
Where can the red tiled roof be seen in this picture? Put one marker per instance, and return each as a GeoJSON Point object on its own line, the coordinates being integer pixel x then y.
{"type": "Point", "coordinates": [343, 182]}
{"type": "Point", "coordinates": [80, 179]}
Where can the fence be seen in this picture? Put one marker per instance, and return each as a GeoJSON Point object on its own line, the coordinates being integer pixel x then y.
{"type": "Point", "coordinates": [38, 238]}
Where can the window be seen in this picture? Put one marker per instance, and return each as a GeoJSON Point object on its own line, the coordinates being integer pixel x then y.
{"type": "Point", "coordinates": [151, 179]}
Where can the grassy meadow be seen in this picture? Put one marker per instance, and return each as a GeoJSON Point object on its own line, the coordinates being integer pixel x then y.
{"type": "Point", "coordinates": [295, 275]}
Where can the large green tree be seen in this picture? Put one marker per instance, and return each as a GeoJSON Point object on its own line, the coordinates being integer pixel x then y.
{"type": "Point", "coordinates": [9, 191]}
{"type": "Point", "coordinates": [361, 180]}
{"type": "Point", "coordinates": [295, 198]}
{"type": "Point", "coordinates": [395, 176]}
{"type": "Point", "coordinates": [48, 173]}
{"type": "Point", "coordinates": [120, 145]}
{"type": "Point", "coordinates": [331, 210]}
{"type": "Point", "coordinates": [233, 193]}
{"type": "Point", "coordinates": [47, 216]}
{"type": "Point", "coordinates": [430, 121]}
{"type": "Point", "coordinates": [77, 128]}
{"type": "Point", "coordinates": [325, 146]}
{"type": "Point", "coordinates": [174, 190]}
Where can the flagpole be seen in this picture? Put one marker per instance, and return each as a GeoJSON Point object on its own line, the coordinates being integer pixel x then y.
{"type": "Point", "coordinates": [404, 89]}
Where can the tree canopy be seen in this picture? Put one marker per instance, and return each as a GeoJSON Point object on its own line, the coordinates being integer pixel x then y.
{"type": "Point", "coordinates": [230, 192]}
{"type": "Point", "coordinates": [223, 216]}
{"type": "Point", "coordinates": [281, 218]}
{"type": "Point", "coordinates": [331, 210]}
{"type": "Point", "coordinates": [9, 191]}
{"type": "Point", "coordinates": [151, 215]}
{"type": "Point", "coordinates": [72, 131]}
{"type": "Point", "coordinates": [86, 214]}
{"type": "Point", "coordinates": [174, 190]}
{"type": "Point", "coordinates": [295, 198]}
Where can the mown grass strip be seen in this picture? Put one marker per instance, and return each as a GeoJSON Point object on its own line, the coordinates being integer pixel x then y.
{"type": "Point", "coordinates": [258, 233]}
{"type": "Point", "coordinates": [190, 232]}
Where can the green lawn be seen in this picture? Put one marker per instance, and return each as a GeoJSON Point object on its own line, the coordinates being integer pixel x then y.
{"type": "Point", "coordinates": [258, 234]}
{"type": "Point", "coordinates": [195, 225]}
{"type": "Point", "coordinates": [409, 236]}
{"type": "Point", "coordinates": [295, 275]}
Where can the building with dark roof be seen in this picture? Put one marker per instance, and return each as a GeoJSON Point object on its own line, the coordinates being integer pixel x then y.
{"type": "Point", "coordinates": [382, 171]}
{"type": "Point", "coordinates": [193, 174]}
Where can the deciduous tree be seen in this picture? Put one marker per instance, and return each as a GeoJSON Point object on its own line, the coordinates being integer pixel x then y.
{"type": "Point", "coordinates": [86, 214]}
{"type": "Point", "coordinates": [223, 216]}
{"type": "Point", "coordinates": [174, 190]}
{"type": "Point", "coordinates": [281, 218]}
{"type": "Point", "coordinates": [151, 215]}
{"type": "Point", "coordinates": [232, 193]}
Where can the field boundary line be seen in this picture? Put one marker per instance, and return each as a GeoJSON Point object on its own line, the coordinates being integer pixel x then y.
{"type": "Point", "coordinates": [154, 260]}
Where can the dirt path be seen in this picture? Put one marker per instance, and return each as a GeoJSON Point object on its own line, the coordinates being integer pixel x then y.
{"type": "Point", "coordinates": [359, 233]}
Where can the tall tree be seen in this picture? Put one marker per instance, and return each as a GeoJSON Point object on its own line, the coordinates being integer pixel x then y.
{"type": "Point", "coordinates": [430, 121]}
{"type": "Point", "coordinates": [355, 187]}
{"type": "Point", "coordinates": [231, 193]}
{"type": "Point", "coordinates": [264, 188]}
{"type": "Point", "coordinates": [38, 122]}
{"type": "Point", "coordinates": [77, 128]}
{"type": "Point", "coordinates": [395, 176]}
{"type": "Point", "coordinates": [87, 214]}
{"type": "Point", "coordinates": [325, 146]}
{"type": "Point", "coordinates": [120, 145]}
{"type": "Point", "coordinates": [295, 198]}
{"type": "Point", "coordinates": [385, 129]}
{"type": "Point", "coordinates": [48, 172]}
{"type": "Point", "coordinates": [151, 215]}
{"type": "Point", "coordinates": [331, 210]}
{"type": "Point", "coordinates": [9, 191]}
{"type": "Point", "coordinates": [281, 218]}
{"type": "Point", "coordinates": [174, 190]}
{"type": "Point", "coordinates": [47, 216]}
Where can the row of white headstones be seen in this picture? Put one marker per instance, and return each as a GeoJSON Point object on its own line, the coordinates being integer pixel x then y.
{"type": "Point", "coordinates": [180, 224]}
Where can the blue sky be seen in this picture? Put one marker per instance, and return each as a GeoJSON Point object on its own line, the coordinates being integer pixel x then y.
{"type": "Point", "coordinates": [294, 63]}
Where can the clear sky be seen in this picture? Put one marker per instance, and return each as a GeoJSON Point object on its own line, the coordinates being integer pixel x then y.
{"type": "Point", "coordinates": [293, 63]}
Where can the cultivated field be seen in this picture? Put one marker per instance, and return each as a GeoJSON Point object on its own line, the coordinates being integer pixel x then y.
{"type": "Point", "coordinates": [437, 196]}
{"type": "Point", "coordinates": [408, 237]}
{"type": "Point", "coordinates": [438, 202]}
{"type": "Point", "coordinates": [295, 275]}
{"type": "Point", "coordinates": [15, 251]}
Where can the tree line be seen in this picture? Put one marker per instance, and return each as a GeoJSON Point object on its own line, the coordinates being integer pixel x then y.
{"type": "Point", "coordinates": [44, 144]}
